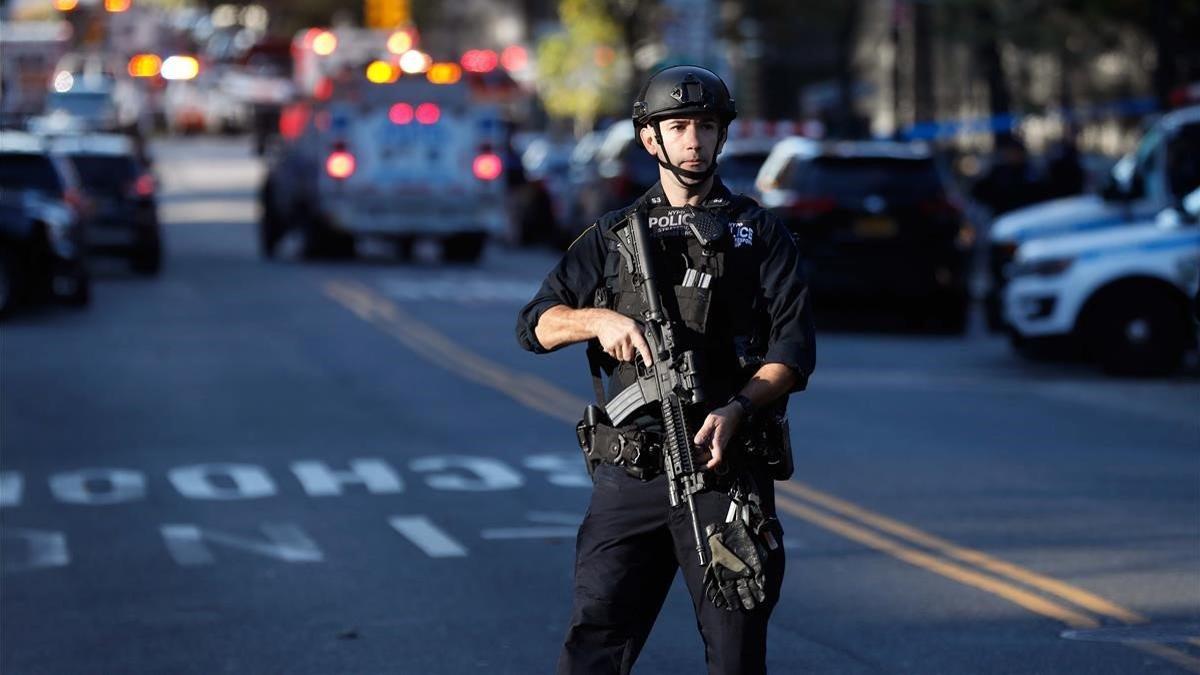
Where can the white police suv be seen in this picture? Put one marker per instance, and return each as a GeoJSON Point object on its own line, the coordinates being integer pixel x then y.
{"type": "Point", "coordinates": [1141, 185]}
{"type": "Point", "coordinates": [1126, 295]}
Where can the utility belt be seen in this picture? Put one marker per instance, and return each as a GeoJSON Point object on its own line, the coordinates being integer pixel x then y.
{"type": "Point", "coordinates": [763, 439]}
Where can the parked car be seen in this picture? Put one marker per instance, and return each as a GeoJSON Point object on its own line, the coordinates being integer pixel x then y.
{"type": "Point", "coordinates": [740, 161]}
{"type": "Point", "coordinates": [541, 203]}
{"type": "Point", "coordinates": [41, 238]}
{"type": "Point", "coordinates": [876, 222]}
{"type": "Point", "coordinates": [580, 172]}
{"type": "Point", "coordinates": [1123, 295]}
{"type": "Point", "coordinates": [123, 219]}
{"type": "Point", "coordinates": [397, 162]}
{"type": "Point", "coordinates": [623, 172]}
{"type": "Point", "coordinates": [1165, 165]}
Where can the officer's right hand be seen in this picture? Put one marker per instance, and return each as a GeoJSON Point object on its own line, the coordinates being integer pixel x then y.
{"type": "Point", "coordinates": [621, 337]}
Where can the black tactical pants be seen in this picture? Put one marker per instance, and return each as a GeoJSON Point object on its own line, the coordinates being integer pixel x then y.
{"type": "Point", "coordinates": [630, 544]}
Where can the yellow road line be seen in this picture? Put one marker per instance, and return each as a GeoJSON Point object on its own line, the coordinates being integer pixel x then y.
{"type": "Point", "coordinates": [1063, 590]}
{"type": "Point", "coordinates": [537, 394]}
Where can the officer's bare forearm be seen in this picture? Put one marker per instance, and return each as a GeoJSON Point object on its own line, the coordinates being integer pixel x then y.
{"type": "Point", "coordinates": [561, 325]}
{"type": "Point", "coordinates": [770, 381]}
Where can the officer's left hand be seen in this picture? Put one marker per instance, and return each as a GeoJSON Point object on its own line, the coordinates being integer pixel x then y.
{"type": "Point", "coordinates": [717, 431]}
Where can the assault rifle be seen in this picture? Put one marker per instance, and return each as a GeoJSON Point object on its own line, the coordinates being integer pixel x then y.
{"type": "Point", "coordinates": [671, 380]}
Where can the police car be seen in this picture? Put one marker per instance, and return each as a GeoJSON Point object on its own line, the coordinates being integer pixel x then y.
{"type": "Point", "coordinates": [1141, 185]}
{"type": "Point", "coordinates": [396, 161]}
{"type": "Point", "coordinates": [1125, 295]}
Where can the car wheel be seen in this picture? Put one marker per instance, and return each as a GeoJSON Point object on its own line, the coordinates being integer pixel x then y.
{"type": "Point", "coordinates": [8, 284]}
{"type": "Point", "coordinates": [147, 258]}
{"type": "Point", "coordinates": [75, 291]}
{"type": "Point", "coordinates": [320, 242]}
{"type": "Point", "coordinates": [1136, 333]}
{"type": "Point", "coordinates": [465, 247]}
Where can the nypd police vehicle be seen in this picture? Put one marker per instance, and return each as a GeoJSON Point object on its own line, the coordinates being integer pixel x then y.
{"type": "Point", "coordinates": [1125, 295]}
{"type": "Point", "coordinates": [1158, 173]}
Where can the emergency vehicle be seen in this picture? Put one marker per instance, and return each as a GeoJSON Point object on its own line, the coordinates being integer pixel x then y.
{"type": "Point", "coordinates": [384, 153]}
{"type": "Point", "coordinates": [1125, 295]}
{"type": "Point", "coordinates": [1139, 186]}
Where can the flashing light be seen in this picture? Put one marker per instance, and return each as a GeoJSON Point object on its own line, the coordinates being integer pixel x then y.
{"type": "Point", "coordinates": [292, 120]}
{"type": "Point", "coordinates": [324, 43]}
{"type": "Point", "coordinates": [444, 73]}
{"type": "Point", "coordinates": [116, 6]}
{"type": "Point", "coordinates": [340, 164]}
{"type": "Point", "coordinates": [400, 113]}
{"type": "Point", "coordinates": [382, 72]}
{"type": "Point", "coordinates": [487, 166]}
{"type": "Point", "coordinates": [428, 113]}
{"type": "Point", "coordinates": [180, 68]}
{"type": "Point", "coordinates": [514, 57]}
{"type": "Point", "coordinates": [479, 61]}
{"type": "Point", "coordinates": [414, 62]}
{"type": "Point", "coordinates": [144, 65]}
{"type": "Point", "coordinates": [400, 42]}
{"type": "Point", "coordinates": [63, 81]}
{"type": "Point", "coordinates": [66, 5]}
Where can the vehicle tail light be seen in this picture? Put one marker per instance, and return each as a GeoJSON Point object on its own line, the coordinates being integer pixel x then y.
{"type": "Point", "coordinates": [487, 166]}
{"type": "Point", "coordinates": [340, 164]}
{"type": "Point", "coordinates": [143, 186]}
{"type": "Point", "coordinates": [428, 113]}
{"type": "Point", "coordinates": [809, 207]}
{"type": "Point", "coordinates": [400, 113]}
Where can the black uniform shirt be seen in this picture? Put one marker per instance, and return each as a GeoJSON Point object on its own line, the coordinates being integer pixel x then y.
{"type": "Point", "coordinates": [790, 339]}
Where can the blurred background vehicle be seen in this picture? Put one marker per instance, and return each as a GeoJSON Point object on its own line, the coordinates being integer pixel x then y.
{"type": "Point", "coordinates": [541, 205]}
{"type": "Point", "coordinates": [1123, 296]}
{"type": "Point", "coordinates": [41, 234]}
{"type": "Point", "coordinates": [398, 160]}
{"type": "Point", "coordinates": [877, 223]}
{"type": "Point", "coordinates": [261, 80]}
{"type": "Point", "coordinates": [123, 217]}
{"type": "Point", "coordinates": [623, 171]}
{"type": "Point", "coordinates": [1165, 165]}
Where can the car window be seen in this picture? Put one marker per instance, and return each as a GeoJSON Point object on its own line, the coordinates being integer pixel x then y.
{"type": "Point", "coordinates": [741, 168]}
{"type": "Point", "coordinates": [858, 177]}
{"type": "Point", "coordinates": [104, 173]}
{"type": "Point", "coordinates": [1145, 153]}
{"type": "Point", "coordinates": [82, 104]}
{"type": "Point", "coordinates": [1183, 160]}
{"type": "Point", "coordinates": [22, 171]}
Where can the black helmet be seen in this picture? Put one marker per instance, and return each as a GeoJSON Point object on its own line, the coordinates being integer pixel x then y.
{"type": "Point", "coordinates": [682, 90]}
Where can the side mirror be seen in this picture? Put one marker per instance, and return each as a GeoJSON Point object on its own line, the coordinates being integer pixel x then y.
{"type": "Point", "coordinates": [1189, 209]}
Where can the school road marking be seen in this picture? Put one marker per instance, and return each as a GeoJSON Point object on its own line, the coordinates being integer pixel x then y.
{"type": "Point", "coordinates": [1040, 594]}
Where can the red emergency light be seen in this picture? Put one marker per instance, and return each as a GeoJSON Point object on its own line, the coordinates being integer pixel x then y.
{"type": "Point", "coordinates": [480, 61]}
{"type": "Point", "coordinates": [428, 113]}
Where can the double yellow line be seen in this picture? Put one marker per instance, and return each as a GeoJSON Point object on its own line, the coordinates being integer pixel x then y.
{"type": "Point", "coordinates": [1042, 595]}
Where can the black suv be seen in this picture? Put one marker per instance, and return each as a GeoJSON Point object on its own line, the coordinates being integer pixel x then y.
{"type": "Point", "coordinates": [876, 224]}
{"type": "Point", "coordinates": [123, 214]}
{"type": "Point", "coordinates": [41, 237]}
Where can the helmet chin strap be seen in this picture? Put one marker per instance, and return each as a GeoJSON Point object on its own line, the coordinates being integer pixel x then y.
{"type": "Point", "coordinates": [680, 173]}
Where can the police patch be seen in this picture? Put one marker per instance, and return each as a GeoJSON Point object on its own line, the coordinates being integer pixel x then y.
{"type": "Point", "coordinates": [743, 234]}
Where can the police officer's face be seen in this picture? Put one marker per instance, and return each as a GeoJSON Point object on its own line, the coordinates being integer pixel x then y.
{"type": "Point", "coordinates": [690, 142]}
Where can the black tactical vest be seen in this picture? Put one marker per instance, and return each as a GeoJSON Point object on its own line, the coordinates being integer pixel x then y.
{"type": "Point", "coordinates": [713, 292]}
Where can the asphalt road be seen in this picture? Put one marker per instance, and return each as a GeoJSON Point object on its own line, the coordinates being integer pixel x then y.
{"type": "Point", "coordinates": [283, 467]}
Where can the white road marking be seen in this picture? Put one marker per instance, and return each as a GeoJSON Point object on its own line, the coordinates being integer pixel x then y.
{"type": "Point", "coordinates": [83, 486]}
{"type": "Point", "coordinates": [428, 537]}
{"type": "Point", "coordinates": [562, 469]}
{"type": "Point", "coordinates": [12, 486]}
{"type": "Point", "coordinates": [188, 544]}
{"type": "Point", "coordinates": [318, 480]}
{"type": "Point", "coordinates": [488, 474]}
{"type": "Point", "coordinates": [43, 549]}
{"type": "Point", "coordinates": [460, 288]}
{"type": "Point", "coordinates": [197, 482]}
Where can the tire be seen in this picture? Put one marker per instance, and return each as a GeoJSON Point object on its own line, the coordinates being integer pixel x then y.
{"type": "Point", "coordinates": [8, 284]}
{"type": "Point", "coordinates": [321, 243]}
{"type": "Point", "coordinates": [1136, 331]}
{"type": "Point", "coordinates": [80, 295]}
{"type": "Point", "coordinates": [147, 258]}
{"type": "Point", "coordinates": [465, 247]}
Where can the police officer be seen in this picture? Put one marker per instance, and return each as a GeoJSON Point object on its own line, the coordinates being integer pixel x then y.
{"type": "Point", "coordinates": [740, 299]}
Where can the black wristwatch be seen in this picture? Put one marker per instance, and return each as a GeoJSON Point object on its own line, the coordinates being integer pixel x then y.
{"type": "Point", "coordinates": [746, 403]}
